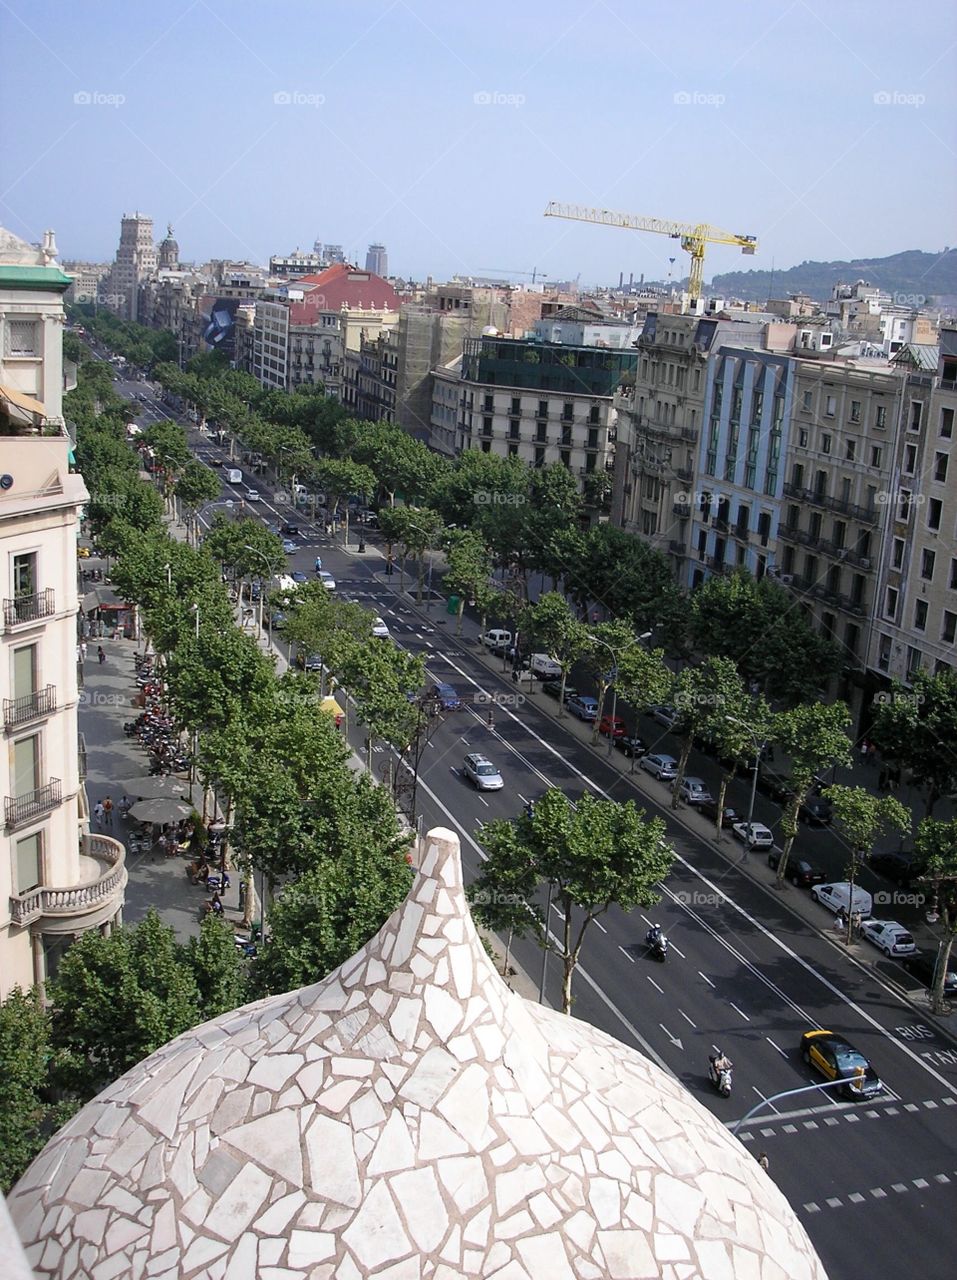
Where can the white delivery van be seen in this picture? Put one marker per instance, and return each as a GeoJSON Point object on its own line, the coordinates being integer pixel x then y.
{"type": "Point", "coordinates": [234, 475]}
{"type": "Point", "coordinates": [837, 897]}
{"type": "Point", "coordinates": [497, 640]}
{"type": "Point", "coordinates": [544, 667]}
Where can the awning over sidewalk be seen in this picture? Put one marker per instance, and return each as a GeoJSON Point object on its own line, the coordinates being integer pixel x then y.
{"type": "Point", "coordinates": [102, 598]}
{"type": "Point", "coordinates": [20, 400]}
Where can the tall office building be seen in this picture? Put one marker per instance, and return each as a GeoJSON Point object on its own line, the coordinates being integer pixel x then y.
{"type": "Point", "coordinates": [135, 260]}
{"type": "Point", "coordinates": [377, 260]}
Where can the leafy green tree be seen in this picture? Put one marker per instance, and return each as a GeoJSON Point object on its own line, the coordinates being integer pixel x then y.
{"type": "Point", "coordinates": [331, 911]}
{"type": "Point", "coordinates": [704, 695]}
{"type": "Point", "coordinates": [195, 485]}
{"type": "Point", "coordinates": [469, 573]}
{"type": "Point", "coordinates": [592, 855]}
{"type": "Point", "coordinates": [379, 676]}
{"type": "Point", "coordinates": [757, 626]}
{"type": "Point", "coordinates": [746, 724]}
{"type": "Point", "coordinates": [861, 819]}
{"type": "Point", "coordinates": [936, 846]}
{"type": "Point", "coordinates": [217, 968]}
{"type": "Point", "coordinates": [917, 728]}
{"type": "Point", "coordinates": [416, 530]}
{"type": "Point", "coordinates": [553, 625]}
{"type": "Point", "coordinates": [601, 664]}
{"type": "Point", "coordinates": [814, 737]}
{"type": "Point", "coordinates": [27, 1115]}
{"type": "Point", "coordinates": [116, 999]}
{"type": "Point", "coordinates": [341, 478]}
{"type": "Point", "coordinates": [169, 444]}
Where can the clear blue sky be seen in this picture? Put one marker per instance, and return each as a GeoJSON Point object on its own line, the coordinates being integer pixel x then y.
{"type": "Point", "coordinates": [389, 134]}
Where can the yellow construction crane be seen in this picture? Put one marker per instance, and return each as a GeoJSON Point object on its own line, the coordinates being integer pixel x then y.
{"type": "Point", "coordinates": [693, 237]}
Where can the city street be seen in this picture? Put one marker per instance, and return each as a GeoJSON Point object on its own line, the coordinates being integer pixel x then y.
{"type": "Point", "coordinates": [750, 967]}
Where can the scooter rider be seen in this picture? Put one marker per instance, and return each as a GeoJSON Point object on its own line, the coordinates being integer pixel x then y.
{"type": "Point", "coordinates": [654, 937]}
{"type": "Point", "coordinates": [719, 1062]}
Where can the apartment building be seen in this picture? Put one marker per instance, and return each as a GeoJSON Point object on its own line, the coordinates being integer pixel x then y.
{"type": "Point", "coordinates": [915, 625]}
{"type": "Point", "coordinates": [135, 262]}
{"type": "Point", "coordinates": [659, 416]}
{"type": "Point", "coordinates": [838, 499]}
{"type": "Point", "coordinates": [545, 402]}
{"type": "Point", "coordinates": [56, 879]}
{"type": "Point", "coordinates": [735, 510]}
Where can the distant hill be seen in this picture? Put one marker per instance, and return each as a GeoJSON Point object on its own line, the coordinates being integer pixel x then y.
{"type": "Point", "coordinates": [912, 273]}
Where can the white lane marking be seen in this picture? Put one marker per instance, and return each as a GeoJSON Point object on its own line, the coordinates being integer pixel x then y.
{"type": "Point", "coordinates": [687, 1019]}
{"type": "Point", "coordinates": [767, 1133]}
{"type": "Point", "coordinates": [626, 955]}
{"type": "Point", "coordinates": [672, 947]}
{"type": "Point", "coordinates": [660, 990]}
{"type": "Point", "coordinates": [707, 979]}
{"type": "Point", "coordinates": [599, 925]}
{"type": "Point", "coordinates": [776, 1046]}
{"type": "Point", "coordinates": [737, 1010]}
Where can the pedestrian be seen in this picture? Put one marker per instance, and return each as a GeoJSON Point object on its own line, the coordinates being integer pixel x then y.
{"type": "Point", "coordinates": [840, 920]}
{"type": "Point", "coordinates": [318, 563]}
{"type": "Point", "coordinates": [339, 721]}
{"type": "Point", "coordinates": [83, 647]}
{"type": "Point", "coordinates": [99, 813]}
{"type": "Point", "coordinates": [216, 906]}
{"type": "Point", "coordinates": [108, 810]}
{"type": "Point", "coordinates": [871, 753]}
{"type": "Point", "coordinates": [100, 655]}
{"type": "Point", "coordinates": [763, 1161]}
{"type": "Point", "coordinates": [865, 748]}
{"type": "Point", "coordinates": [242, 894]}
{"type": "Point", "coordinates": [856, 923]}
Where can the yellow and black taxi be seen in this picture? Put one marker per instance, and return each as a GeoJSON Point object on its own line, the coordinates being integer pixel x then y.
{"type": "Point", "coordinates": [836, 1059]}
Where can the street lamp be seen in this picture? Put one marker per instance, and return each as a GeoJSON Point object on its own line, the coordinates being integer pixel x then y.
{"type": "Point", "coordinates": [645, 635]}
{"type": "Point", "coordinates": [208, 506]}
{"type": "Point", "coordinates": [427, 547]}
{"type": "Point", "coordinates": [758, 744]}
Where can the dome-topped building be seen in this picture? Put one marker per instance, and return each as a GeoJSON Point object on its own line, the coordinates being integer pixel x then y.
{"type": "Point", "coordinates": [168, 253]}
{"type": "Point", "coordinates": [407, 1117]}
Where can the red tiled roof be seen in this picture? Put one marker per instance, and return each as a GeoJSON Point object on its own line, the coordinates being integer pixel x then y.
{"type": "Point", "coordinates": [341, 286]}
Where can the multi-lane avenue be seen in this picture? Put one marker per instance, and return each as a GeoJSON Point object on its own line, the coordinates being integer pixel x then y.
{"type": "Point", "coordinates": [750, 968]}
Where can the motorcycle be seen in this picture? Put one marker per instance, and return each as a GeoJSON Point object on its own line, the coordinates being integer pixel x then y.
{"type": "Point", "coordinates": [657, 944]}
{"type": "Point", "coordinates": [721, 1079]}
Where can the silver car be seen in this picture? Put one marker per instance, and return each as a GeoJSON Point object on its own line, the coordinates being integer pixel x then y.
{"type": "Point", "coordinates": [482, 773]}
{"type": "Point", "coordinates": [664, 768]}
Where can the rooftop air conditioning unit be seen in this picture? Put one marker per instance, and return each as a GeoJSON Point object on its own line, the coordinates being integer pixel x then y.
{"type": "Point", "coordinates": [786, 578]}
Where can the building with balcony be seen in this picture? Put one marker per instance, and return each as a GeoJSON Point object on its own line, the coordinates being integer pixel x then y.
{"type": "Point", "coordinates": [838, 499]}
{"type": "Point", "coordinates": [915, 624]}
{"type": "Point", "coordinates": [660, 412]}
{"type": "Point", "coordinates": [56, 880]}
{"type": "Point", "coordinates": [734, 512]}
{"type": "Point", "coordinates": [544, 402]}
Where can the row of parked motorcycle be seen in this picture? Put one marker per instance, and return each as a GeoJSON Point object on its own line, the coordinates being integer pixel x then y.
{"type": "Point", "coordinates": [153, 727]}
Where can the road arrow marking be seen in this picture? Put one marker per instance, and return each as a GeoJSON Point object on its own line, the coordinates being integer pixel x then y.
{"type": "Point", "coordinates": [674, 1039]}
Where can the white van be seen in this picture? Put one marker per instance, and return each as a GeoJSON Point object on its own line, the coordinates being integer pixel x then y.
{"type": "Point", "coordinates": [497, 640]}
{"type": "Point", "coordinates": [234, 475]}
{"type": "Point", "coordinates": [544, 667]}
{"type": "Point", "coordinates": [838, 895]}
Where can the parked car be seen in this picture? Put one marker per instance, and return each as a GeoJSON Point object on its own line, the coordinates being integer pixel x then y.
{"type": "Point", "coordinates": [774, 785]}
{"type": "Point", "coordinates": [923, 967]}
{"type": "Point", "coordinates": [311, 661]}
{"type": "Point", "coordinates": [889, 936]}
{"type": "Point", "coordinates": [668, 716]}
{"type": "Point", "coordinates": [816, 811]}
{"type": "Point", "coordinates": [482, 773]}
{"type": "Point", "coordinates": [801, 873]}
{"type": "Point", "coordinates": [554, 689]}
{"type": "Point", "coordinates": [837, 895]}
{"type": "Point", "coordinates": [758, 837]}
{"type": "Point", "coordinates": [582, 706]}
{"type": "Point", "coordinates": [836, 1059]}
{"type": "Point", "coordinates": [611, 727]}
{"type": "Point", "coordinates": [631, 745]}
{"type": "Point", "coordinates": [380, 630]}
{"type": "Point", "coordinates": [275, 619]}
{"type": "Point", "coordinates": [662, 767]}
{"type": "Point", "coordinates": [543, 667]}
{"type": "Point", "coordinates": [899, 866]}
{"type": "Point", "coordinates": [729, 816]}
{"type": "Point", "coordinates": [449, 700]}
{"type": "Point", "coordinates": [695, 791]}
{"type": "Point", "coordinates": [327, 580]}
{"type": "Point", "coordinates": [497, 640]}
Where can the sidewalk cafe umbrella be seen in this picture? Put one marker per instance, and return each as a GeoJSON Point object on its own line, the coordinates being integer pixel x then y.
{"type": "Point", "coordinates": [159, 787]}
{"type": "Point", "coordinates": [160, 810]}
